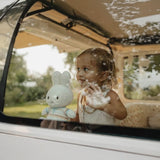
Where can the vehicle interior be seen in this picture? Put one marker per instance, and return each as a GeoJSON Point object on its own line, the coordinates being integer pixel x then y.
{"type": "Point", "coordinates": [53, 33]}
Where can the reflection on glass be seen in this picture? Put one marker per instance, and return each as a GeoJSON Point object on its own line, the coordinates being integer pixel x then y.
{"type": "Point", "coordinates": [142, 77]}
{"type": "Point", "coordinates": [7, 26]}
{"type": "Point", "coordinates": [132, 20]}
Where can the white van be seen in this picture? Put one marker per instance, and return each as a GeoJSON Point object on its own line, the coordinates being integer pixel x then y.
{"type": "Point", "coordinates": [42, 36]}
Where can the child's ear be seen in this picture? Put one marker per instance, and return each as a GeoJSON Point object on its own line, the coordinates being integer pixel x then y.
{"type": "Point", "coordinates": [104, 75]}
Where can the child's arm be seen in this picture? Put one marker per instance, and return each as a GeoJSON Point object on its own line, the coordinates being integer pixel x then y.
{"type": "Point", "coordinates": [115, 107]}
{"type": "Point", "coordinates": [110, 103]}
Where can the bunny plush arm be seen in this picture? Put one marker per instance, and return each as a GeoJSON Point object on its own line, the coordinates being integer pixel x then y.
{"type": "Point", "coordinates": [45, 111]}
{"type": "Point", "coordinates": [70, 113]}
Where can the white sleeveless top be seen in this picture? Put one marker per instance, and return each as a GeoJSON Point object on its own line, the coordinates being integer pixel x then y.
{"type": "Point", "coordinates": [93, 116]}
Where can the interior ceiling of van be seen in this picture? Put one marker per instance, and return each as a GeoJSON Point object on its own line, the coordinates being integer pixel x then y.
{"type": "Point", "coordinates": [96, 21]}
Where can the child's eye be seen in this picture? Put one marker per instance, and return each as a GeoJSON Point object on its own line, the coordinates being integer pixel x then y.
{"type": "Point", "coordinates": [86, 69]}
{"type": "Point", "coordinates": [78, 69]}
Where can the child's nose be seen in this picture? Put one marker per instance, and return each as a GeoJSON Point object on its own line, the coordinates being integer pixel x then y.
{"type": "Point", "coordinates": [80, 73]}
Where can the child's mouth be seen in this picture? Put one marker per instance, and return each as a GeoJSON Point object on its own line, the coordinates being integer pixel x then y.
{"type": "Point", "coordinates": [83, 83]}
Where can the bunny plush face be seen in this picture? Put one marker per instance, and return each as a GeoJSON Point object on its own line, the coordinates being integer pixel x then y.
{"type": "Point", "coordinates": [60, 94]}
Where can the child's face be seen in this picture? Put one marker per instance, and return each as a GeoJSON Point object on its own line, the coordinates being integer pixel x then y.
{"type": "Point", "coordinates": [87, 71]}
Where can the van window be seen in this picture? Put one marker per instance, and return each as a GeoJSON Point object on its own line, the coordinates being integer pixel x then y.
{"type": "Point", "coordinates": [49, 40]}
{"type": "Point", "coordinates": [142, 77]}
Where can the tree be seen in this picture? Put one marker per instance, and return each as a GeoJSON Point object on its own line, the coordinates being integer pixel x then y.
{"type": "Point", "coordinates": [44, 83]}
{"type": "Point", "coordinates": [130, 77]}
{"type": "Point", "coordinates": [17, 90]}
{"type": "Point", "coordinates": [154, 63]}
{"type": "Point", "coordinates": [16, 77]}
{"type": "Point", "coordinates": [70, 59]}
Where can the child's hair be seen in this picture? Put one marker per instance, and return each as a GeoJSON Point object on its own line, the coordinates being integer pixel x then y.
{"type": "Point", "coordinates": [104, 61]}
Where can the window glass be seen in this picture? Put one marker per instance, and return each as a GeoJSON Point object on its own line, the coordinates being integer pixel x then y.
{"type": "Point", "coordinates": [7, 25]}
{"type": "Point", "coordinates": [49, 41]}
{"type": "Point", "coordinates": [142, 77]}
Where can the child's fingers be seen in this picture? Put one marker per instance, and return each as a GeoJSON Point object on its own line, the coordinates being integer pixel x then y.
{"type": "Point", "coordinates": [97, 88]}
{"type": "Point", "coordinates": [90, 91]}
{"type": "Point", "coordinates": [94, 87]}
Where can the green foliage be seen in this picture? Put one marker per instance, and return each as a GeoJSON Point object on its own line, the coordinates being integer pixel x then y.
{"type": "Point", "coordinates": [43, 84]}
{"type": "Point", "coordinates": [17, 91]}
{"type": "Point", "coordinates": [130, 77]}
{"type": "Point", "coordinates": [153, 91]}
{"type": "Point", "coordinates": [70, 59]}
{"type": "Point", "coordinates": [16, 77]}
{"type": "Point", "coordinates": [154, 63]}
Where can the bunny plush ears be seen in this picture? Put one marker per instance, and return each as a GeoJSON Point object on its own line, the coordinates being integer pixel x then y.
{"type": "Point", "coordinates": [61, 78]}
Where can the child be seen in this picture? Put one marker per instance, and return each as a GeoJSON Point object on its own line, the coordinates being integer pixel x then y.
{"type": "Point", "coordinates": [97, 102]}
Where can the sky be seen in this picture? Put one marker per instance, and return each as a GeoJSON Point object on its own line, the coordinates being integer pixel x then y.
{"type": "Point", "coordinates": [39, 58]}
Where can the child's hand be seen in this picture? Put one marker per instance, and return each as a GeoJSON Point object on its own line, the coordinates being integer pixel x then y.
{"type": "Point", "coordinates": [95, 98]}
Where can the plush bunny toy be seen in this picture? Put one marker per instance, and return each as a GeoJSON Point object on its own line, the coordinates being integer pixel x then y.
{"type": "Point", "coordinates": [58, 97]}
